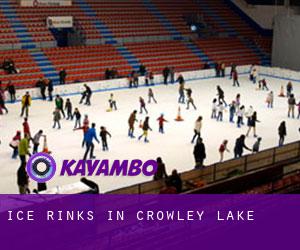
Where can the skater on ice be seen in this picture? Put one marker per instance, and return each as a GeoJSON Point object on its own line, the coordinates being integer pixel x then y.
{"type": "Point", "coordinates": [214, 109]}
{"type": "Point", "coordinates": [26, 102]}
{"type": "Point", "coordinates": [252, 120]}
{"type": "Point", "coordinates": [161, 120]}
{"type": "Point", "coordinates": [282, 133]}
{"type": "Point", "coordinates": [190, 100]}
{"type": "Point", "coordinates": [222, 149]}
{"type": "Point", "coordinates": [145, 128]}
{"type": "Point", "coordinates": [232, 111]}
{"type": "Point", "coordinates": [199, 153]}
{"type": "Point", "coordinates": [256, 145]}
{"type": "Point", "coordinates": [221, 95]}
{"type": "Point", "coordinates": [89, 136]}
{"type": "Point", "coordinates": [142, 105]}
{"type": "Point", "coordinates": [59, 104]}
{"type": "Point", "coordinates": [112, 102]}
{"type": "Point", "coordinates": [56, 118]}
{"type": "Point", "coordinates": [240, 146]}
{"type": "Point", "coordinates": [151, 96]}
{"type": "Point", "coordinates": [68, 108]}
{"type": "Point", "coordinates": [77, 117]}
{"type": "Point", "coordinates": [270, 99]}
{"type": "Point", "coordinates": [291, 106]}
{"type": "Point", "coordinates": [197, 129]}
{"type": "Point", "coordinates": [132, 119]}
{"type": "Point", "coordinates": [103, 135]}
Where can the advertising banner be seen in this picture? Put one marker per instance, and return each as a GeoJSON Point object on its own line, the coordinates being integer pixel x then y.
{"type": "Point", "coordinates": [36, 3]}
{"type": "Point", "coordinates": [60, 22]}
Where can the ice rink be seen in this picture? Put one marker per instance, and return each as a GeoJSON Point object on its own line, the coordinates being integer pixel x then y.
{"type": "Point", "coordinates": [174, 146]}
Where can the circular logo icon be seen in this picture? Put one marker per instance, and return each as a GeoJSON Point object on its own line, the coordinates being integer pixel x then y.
{"type": "Point", "coordinates": [41, 167]}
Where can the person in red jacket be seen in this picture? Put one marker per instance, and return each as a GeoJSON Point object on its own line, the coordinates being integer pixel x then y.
{"type": "Point", "coordinates": [14, 144]}
{"type": "Point", "coordinates": [235, 77]}
{"type": "Point", "coordinates": [161, 120]}
{"type": "Point", "coordinates": [26, 128]}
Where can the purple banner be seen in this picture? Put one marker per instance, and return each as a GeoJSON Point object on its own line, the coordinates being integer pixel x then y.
{"type": "Point", "coordinates": [149, 222]}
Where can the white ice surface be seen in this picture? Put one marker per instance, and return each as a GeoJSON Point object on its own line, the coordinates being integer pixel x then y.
{"type": "Point", "coordinates": [174, 146]}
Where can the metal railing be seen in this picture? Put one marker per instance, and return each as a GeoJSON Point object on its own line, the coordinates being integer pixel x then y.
{"type": "Point", "coordinates": [223, 170]}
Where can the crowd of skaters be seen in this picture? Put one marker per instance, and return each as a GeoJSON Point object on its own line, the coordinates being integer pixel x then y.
{"type": "Point", "coordinates": [237, 114]}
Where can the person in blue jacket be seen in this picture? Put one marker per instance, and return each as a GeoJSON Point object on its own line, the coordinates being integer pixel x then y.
{"type": "Point", "coordinates": [89, 136]}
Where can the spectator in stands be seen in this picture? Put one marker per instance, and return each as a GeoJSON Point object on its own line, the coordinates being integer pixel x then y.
{"type": "Point", "coordinates": [50, 90]}
{"type": "Point", "coordinates": [26, 102]}
{"type": "Point", "coordinates": [135, 77]}
{"type": "Point", "coordinates": [217, 69]}
{"type": "Point", "coordinates": [114, 73]}
{"type": "Point", "coordinates": [172, 74]}
{"type": "Point", "coordinates": [62, 76]}
{"type": "Point", "coordinates": [239, 146]}
{"type": "Point", "coordinates": [9, 66]}
{"type": "Point", "coordinates": [176, 181]}
{"type": "Point", "coordinates": [281, 133]}
{"type": "Point", "coordinates": [23, 179]}
{"type": "Point", "coordinates": [107, 74]}
{"type": "Point", "coordinates": [199, 153]}
{"type": "Point", "coordinates": [130, 80]}
{"type": "Point", "coordinates": [41, 83]}
{"type": "Point", "coordinates": [161, 170]}
{"type": "Point", "coordinates": [206, 66]}
{"type": "Point", "coordinates": [166, 73]}
{"type": "Point", "coordinates": [151, 77]}
{"type": "Point", "coordinates": [142, 70]}
{"type": "Point", "coordinates": [12, 91]}
{"type": "Point", "coordinates": [223, 67]}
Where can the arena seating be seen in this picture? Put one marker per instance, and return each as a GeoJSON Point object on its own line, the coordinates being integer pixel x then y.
{"type": "Point", "coordinates": [158, 55]}
{"type": "Point", "coordinates": [153, 32]}
{"type": "Point", "coordinates": [29, 70]}
{"type": "Point", "coordinates": [228, 50]}
{"type": "Point", "coordinates": [87, 62]}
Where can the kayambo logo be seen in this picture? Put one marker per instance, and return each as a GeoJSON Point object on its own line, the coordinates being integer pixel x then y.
{"type": "Point", "coordinates": [41, 167]}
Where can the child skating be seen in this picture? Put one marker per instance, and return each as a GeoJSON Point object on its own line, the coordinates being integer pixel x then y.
{"type": "Point", "coordinates": [142, 105]}
{"type": "Point", "coordinates": [112, 103]}
{"type": "Point", "coordinates": [161, 120]}
{"type": "Point", "coordinates": [68, 108]}
{"type": "Point", "coordinates": [145, 128]}
{"type": "Point", "coordinates": [103, 135]}
{"type": "Point", "coordinates": [77, 116]}
{"type": "Point", "coordinates": [190, 100]}
{"type": "Point", "coordinates": [151, 96]}
{"type": "Point", "coordinates": [270, 100]}
{"type": "Point", "coordinates": [221, 109]}
{"type": "Point", "coordinates": [214, 109]}
{"type": "Point", "coordinates": [222, 149]}
{"type": "Point", "coordinates": [132, 119]}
